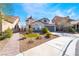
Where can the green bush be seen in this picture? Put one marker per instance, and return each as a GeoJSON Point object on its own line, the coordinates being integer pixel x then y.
{"type": "Point", "coordinates": [48, 35]}
{"type": "Point", "coordinates": [8, 33]}
{"type": "Point", "coordinates": [30, 30]}
{"type": "Point", "coordinates": [0, 33]}
{"type": "Point", "coordinates": [2, 36]}
{"type": "Point", "coordinates": [71, 30]}
{"type": "Point", "coordinates": [45, 30]}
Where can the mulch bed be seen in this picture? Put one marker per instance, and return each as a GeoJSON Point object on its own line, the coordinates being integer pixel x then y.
{"type": "Point", "coordinates": [25, 45]}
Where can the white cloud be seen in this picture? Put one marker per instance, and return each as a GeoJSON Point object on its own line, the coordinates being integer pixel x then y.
{"type": "Point", "coordinates": [69, 10]}
{"type": "Point", "coordinates": [59, 13]}
{"type": "Point", "coordinates": [33, 9]}
{"type": "Point", "coordinates": [40, 10]}
{"type": "Point", "coordinates": [72, 13]}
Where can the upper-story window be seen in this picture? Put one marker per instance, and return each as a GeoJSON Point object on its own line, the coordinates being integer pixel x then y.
{"type": "Point", "coordinates": [45, 21]}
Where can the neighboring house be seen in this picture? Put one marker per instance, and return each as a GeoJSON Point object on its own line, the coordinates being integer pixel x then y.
{"type": "Point", "coordinates": [63, 23]}
{"type": "Point", "coordinates": [38, 25]}
{"type": "Point", "coordinates": [75, 25]}
{"type": "Point", "coordinates": [9, 22]}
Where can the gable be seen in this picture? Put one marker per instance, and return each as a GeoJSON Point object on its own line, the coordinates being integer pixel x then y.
{"type": "Point", "coordinates": [37, 23]}
{"type": "Point", "coordinates": [60, 20]}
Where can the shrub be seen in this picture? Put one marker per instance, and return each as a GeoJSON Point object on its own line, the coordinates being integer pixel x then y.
{"type": "Point", "coordinates": [30, 41]}
{"type": "Point", "coordinates": [71, 30]}
{"type": "Point", "coordinates": [48, 35]}
{"type": "Point", "coordinates": [8, 33]}
{"type": "Point", "coordinates": [0, 33]}
{"type": "Point", "coordinates": [39, 38]}
{"type": "Point", "coordinates": [30, 30]}
{"type": "Point", "coordinates": [2, 37]}
{"type": "Point", "coordinates": [45, 30]}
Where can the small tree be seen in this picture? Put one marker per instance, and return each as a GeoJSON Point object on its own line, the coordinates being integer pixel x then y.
{"type": "Point", "coordinates": [70, 29]}
{"type": "Point", "coordinates": [45, 30]}
{"type": "Point", "coordinates": [8, 33]}
{"type": "Point", "coordinates": [30, 30]}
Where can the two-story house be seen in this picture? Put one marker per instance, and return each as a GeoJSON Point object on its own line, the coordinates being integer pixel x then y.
{"type": "Point", "coordinates": [38, 25]}
{"type": "Point", "coordinates": [63, 23]}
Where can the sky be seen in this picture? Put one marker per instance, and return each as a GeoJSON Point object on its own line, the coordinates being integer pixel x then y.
{"type": "Point", "coordinates": [41, 10]}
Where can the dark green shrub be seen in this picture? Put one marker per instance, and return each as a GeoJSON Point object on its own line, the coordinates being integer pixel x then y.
{"type": "Point", "coordinates": [70, 29]}
{"type": "Point", "coordinates": [2, 37]}
{"type": "Point", "coordinates": [8, 33]}
{"type": "Point", "coordinates": [45, 30]}
{"type": "Point", "coordinates": [0, 33]}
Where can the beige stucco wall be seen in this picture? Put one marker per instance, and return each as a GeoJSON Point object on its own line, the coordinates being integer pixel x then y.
{"type": "Point", "coordinates": [6, 24]}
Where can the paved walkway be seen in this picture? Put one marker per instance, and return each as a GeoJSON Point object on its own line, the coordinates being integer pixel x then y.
{"type": "Point", "coordinates": [12, 47]}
